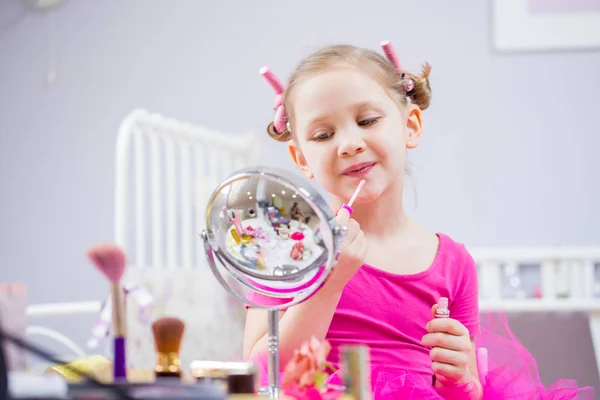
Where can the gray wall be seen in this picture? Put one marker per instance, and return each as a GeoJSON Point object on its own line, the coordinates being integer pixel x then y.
{"type": "Point", "coordinates": [509, 157]}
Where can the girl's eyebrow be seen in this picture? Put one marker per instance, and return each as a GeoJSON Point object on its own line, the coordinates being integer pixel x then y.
{"type": "Point", "coordinates": [317, 119]}
{"type": "Point", "coordinates": [367, 104]}
{"type": "Point", "coordinates": [357, 106]}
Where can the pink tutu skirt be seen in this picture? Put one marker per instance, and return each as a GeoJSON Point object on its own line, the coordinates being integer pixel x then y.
{"type": "Point", "coordinates": [512, 374]}
{"type": "Point", "coordinates": [512, 371]}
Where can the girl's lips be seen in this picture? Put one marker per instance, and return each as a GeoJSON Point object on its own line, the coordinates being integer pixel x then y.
{"type": "Point", "coordinates": [359, 170]}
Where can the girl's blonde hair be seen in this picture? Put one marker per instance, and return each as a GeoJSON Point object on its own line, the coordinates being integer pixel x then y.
{"type": "Point", "coordinates": [367, 61]}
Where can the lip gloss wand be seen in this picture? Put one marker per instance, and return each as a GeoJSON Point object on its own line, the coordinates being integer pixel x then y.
{"type": "Point", "coordinates": [348, 206]}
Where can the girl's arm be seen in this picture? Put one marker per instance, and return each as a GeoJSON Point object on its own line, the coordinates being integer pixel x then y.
{"type": "Point", "coordinates": [313, 316]}
{"type": "Point", "coordinates": [451, 339]}
{"type": "Point", "coordinates": [454, 360]}
{"type": "Point", "coordinates": [296, 325]}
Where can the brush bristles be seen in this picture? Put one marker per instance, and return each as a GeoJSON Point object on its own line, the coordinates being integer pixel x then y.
{"type": "Point", "coordinates": [109, 259]}
{"type": "Point", "coordinates": [168, 332]}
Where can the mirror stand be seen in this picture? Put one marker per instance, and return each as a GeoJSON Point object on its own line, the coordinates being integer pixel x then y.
{"type": "Point", "coordinates": [273, 390]}
{"type": "Point", "coordinates": [273, 348]}
{"type": "Point", "coordinates": [276, 237]}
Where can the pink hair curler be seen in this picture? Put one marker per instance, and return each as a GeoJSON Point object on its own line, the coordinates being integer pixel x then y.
{"type": "Point", "coordinates": [391, 55]}
{"type": "Point", "coordinates": [278, 102]}
{"type": "Point", "coordinates": [272, 79]}
{"type": "Point", "coordinates": [280, 119]}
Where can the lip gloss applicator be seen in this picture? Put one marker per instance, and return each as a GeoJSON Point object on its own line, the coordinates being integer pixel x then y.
{"type": "Point", "coordinates": [348, 206]}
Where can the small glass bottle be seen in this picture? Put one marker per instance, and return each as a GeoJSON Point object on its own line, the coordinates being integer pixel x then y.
{"type": "Point", "coordinates": [442, 310]}
{"type": "Point", "coordinates": [356, 370]}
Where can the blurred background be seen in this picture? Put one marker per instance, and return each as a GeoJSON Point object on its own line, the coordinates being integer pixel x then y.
{"type": "Point", "coordinates": [509, 157]}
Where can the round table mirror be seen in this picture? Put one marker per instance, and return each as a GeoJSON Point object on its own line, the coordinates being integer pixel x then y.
{"type": "Point", "coordinates": [271, 240]}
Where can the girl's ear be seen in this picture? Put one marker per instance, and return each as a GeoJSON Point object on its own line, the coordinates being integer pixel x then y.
{"type": "Point", "coordinates": [299, 159]}
{"type": "Point", "coordinates": [414, 127]}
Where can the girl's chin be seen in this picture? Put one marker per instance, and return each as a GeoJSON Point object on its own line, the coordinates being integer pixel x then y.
{"type": "Point", "coordinates": [366, 196]}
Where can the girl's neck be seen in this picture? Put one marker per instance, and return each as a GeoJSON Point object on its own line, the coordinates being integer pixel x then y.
{"type": "Point", "coordinates": [385, 216]}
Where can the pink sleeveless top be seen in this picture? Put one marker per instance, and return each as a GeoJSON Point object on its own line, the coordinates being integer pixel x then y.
{"type": "Point", "coordinates": [389, 312]}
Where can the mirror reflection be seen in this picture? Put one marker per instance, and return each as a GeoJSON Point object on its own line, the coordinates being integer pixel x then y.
{"type": "Point", "coordinates": [269, 228]}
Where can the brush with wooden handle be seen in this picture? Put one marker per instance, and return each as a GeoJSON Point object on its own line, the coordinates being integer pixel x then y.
{"type": "Point", "coordinates": [110, 260]}
{"type": "Point", "coordinates": [168, 332]}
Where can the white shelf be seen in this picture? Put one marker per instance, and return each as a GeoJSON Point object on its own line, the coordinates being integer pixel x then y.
{"type": "Point", "coordinates": [541, 305]}
{"type": "Point", "coordinates": [56, 309]}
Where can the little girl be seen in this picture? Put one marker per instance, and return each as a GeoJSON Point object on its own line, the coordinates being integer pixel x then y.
{"type": "Point", "coordinates": [350, 114]}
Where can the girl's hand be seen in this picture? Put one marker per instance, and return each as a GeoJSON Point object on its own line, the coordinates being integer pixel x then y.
{"type": "Point", "coordinates": [354, 250]}
{"type": "Point", "coordinates": [450, 346]}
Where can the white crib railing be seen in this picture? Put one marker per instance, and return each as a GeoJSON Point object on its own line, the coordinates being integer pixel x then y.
{"type": "Point", "coordinates": [34, 330]}
{"type": "Point", "coordinates": [165, 172]}
{"type": "Point", "coordinates": [59, 309]}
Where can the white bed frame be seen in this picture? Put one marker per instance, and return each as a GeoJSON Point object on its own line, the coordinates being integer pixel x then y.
{"type": "Point", "coordinates": [181, 152]}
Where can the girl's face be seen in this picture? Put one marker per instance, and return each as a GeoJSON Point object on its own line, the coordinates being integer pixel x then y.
{"type": "Point", "coordinates": [346, 127]}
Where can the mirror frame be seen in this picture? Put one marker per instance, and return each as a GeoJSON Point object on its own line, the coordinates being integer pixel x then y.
{"type": "Point", "coordinates": [319, 206]}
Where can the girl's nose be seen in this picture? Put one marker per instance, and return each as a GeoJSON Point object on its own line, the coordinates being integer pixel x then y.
{"type": "Point", "coordinates": [351, 146]}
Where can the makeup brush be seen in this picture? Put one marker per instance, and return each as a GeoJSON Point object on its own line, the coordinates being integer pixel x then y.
{"type": "Point", "coordinates": [110, 260]}
{"type": "Point", "coordinates": [168, 332]}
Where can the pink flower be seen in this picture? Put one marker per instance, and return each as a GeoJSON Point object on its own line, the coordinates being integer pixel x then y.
{"type": "Point", "coordinates": [303, 394]}
{"type": "Point", "coordinates": [297, 251]}
{"type": "Point", "coordinates": [312, 393]}
{"type": "Point", "coordinates": [307, 367]}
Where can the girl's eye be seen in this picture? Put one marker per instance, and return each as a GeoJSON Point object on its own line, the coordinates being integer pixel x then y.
{"type": "Point", "coordinates": [367, 122]}
{"type": "Point", "coordinates": [323, 136]}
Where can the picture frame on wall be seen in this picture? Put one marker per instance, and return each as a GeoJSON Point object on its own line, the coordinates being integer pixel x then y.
{"type": "Point", "coordinates": [546, 25]}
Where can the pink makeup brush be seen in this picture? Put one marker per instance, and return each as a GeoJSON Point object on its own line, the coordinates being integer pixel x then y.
{"type": "Point", "coordinates": [348, 206]}
{"type": "Point", "coordinates": [110, 260]}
